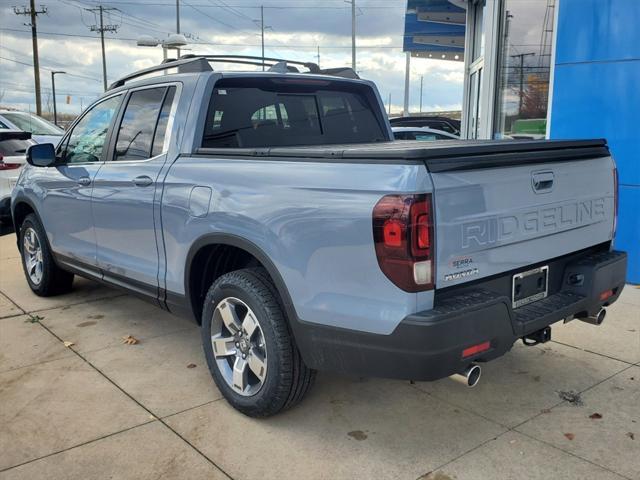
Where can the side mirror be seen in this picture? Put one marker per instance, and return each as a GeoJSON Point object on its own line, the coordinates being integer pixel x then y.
{"type": "Point", "coordinates": [41, 155]}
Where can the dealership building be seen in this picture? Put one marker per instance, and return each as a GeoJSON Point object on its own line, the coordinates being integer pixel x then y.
{"type": "Point", "coordinates": [546, 68]}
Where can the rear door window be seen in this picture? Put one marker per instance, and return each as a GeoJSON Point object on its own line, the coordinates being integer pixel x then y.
{"type": "Point", "coordinates": [261, 113]}
{"type": "Point", "coordinates": [138, 126]}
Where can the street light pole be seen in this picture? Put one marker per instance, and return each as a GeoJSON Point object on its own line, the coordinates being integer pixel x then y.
{"type": "Point", "coordinates": [407, 75]}
{"type": "Point", "coordinates": [53, 92]}
{"type": "Point", "coordinates": [177, 25]}
{"type": "Point", "coordinates": [353, 34]}
{"type": "Point", "coordinates": [421, 79]}
{"type": "Point", "coordinates": [262, 32]}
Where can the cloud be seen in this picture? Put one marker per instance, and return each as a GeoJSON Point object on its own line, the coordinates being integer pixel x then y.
{"type": "Point", "coordinates": [296, 33]}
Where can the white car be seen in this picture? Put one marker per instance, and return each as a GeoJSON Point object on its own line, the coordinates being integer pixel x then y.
{"type": "Point", "coordinates": [423, 134]}
{"type": "Point", "coordinates": [13, 149]}
{"type": "Point", "coordinates": [41, 130]}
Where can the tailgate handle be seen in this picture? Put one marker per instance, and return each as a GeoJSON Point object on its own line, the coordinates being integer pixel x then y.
{"type": "Point", "coordinates": [542, 181]}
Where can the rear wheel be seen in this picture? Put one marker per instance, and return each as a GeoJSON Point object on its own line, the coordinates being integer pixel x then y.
{"type": "Point", "coordinates": [249, 348]}
{"type": "Point", "coordinates": [43, 275]}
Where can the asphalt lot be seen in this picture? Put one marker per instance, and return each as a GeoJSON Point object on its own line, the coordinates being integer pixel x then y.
{"type": "Point", "coordinates": [100, 408]}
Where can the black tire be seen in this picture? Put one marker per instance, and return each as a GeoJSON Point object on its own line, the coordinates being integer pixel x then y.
{"type": "Point", "coordinates": [54, 280]}
{"type": "Point", "coordinates": [288, 379]}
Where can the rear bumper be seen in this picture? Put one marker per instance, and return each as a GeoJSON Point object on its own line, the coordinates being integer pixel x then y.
{"type": "Point", "coordinates": [428, 345]}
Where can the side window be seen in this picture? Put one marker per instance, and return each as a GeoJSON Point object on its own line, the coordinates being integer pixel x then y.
{"type": "Point", "coordinates": [86, 141]}
{"type": "Point", "coordinates": [275, 114]}
{"type": "Point", "coordinates": [425, 136]}
{"type": "Point", "coordinates": [136, 132]}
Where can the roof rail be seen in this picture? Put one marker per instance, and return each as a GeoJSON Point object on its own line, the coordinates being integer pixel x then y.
{"type": "Point", "coordinates": [200, 63]}
{"type": "Point", "coordinates": [184, 65]}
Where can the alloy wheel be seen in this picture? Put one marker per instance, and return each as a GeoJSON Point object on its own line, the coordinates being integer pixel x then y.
{"type": "Point", "coordinates": [32, 252]}
{"type": "Point", "coordinates": [239, 346]}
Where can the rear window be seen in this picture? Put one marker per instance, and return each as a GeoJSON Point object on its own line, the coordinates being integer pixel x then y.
{"type": "Point", "coordinates": [269, 112]}
{"type": "Point", "coordinates": [32, 123]}
{"type": "Point", "coordinates": [14, 147]}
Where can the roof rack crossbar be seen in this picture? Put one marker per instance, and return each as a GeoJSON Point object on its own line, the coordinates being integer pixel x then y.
{"type": "Point", "coordinates": [200, 63]}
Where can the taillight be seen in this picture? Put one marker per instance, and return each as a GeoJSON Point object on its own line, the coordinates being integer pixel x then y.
{"type": "Point", "coordinates": [615, 200]}
{"type": "Point", "coordinates": [8, 166]}
{"type": "Point", "coordinates": [403, 236]}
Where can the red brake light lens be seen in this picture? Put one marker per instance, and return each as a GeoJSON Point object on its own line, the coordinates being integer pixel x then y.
{"type": "Point", "coordinates": [403, 235]}
{"type": "Point", "coordinates": [392, 232]}
{"type": "Point", "coordinates": [8, 166]}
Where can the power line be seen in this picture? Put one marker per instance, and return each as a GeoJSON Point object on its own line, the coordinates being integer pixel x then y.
{"type": "Point", "coordinates": [33, 13]}
{"type": "Point", "coordinates": [101, 28]}
{"type": "Point", "coordinates": [296, 5]}
{"type": "Point", "coordinates": [308, 47]}
{"type": "Point", "coordinates": [49, 69]}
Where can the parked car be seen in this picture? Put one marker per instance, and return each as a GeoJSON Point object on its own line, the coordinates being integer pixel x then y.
{"type": "Point", "coordinates": [41, 130]}
{"type": "Point", "coordinates": [445, 124]}
{"type": "Point", "coordinates": [276, 210]}
{"type": "Point", "coordinates": [13, 147]}
{"type": "Point", "coordinates": [422, 134]}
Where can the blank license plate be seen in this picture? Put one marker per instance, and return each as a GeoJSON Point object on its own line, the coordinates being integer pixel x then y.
{"type": "Point", "coordinates": [530, 286]}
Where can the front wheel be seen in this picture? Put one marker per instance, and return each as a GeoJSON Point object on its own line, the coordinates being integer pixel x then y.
{"type": "Point", "coordinates": [43, 275]}
{"type": "Point", "coordinates": [248, 346]}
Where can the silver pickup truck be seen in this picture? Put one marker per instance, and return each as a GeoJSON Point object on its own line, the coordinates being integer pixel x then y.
{"type": "Point", "coordinates": [276, 210]}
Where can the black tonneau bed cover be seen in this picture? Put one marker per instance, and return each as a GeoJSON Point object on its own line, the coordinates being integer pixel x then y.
{"type": "Point", "coordinates": [439, 156]}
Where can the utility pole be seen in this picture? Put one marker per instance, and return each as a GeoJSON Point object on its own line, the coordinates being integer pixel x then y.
{"type": "Point", "coordinates": [407, 75]}
{"type": "Point", "coordinates": [421, 79]}
{"type": "Point", "coordinates": [262, 34]}
{"type": "Point", "coordinates": [521, 57]}
{"type": "Point", "coordinates": [318, 56]}
{"type": "Point", "coordinates": [101, 29]}
{"type": "Point", "coordinates": [53, 92]}
{"type": "Point", "coordinates": [33, 13]}
{"type": "Point", "coordinates": [177, 25]}
{"type": "Point", "coordinates": [353, 34]}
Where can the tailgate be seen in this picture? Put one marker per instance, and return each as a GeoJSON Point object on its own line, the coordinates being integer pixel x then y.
{"type": "Point", "coordinates": [512, 214]}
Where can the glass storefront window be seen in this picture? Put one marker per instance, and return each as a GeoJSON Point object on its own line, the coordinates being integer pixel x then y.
{"type": "Point", "coordinates": [526, 32]}
{"type": "Point", "coordinates": [478, 30]}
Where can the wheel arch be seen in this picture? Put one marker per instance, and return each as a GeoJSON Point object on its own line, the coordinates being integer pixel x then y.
{"type": "Point", "coordinates": [229, 240]}
{"type": "Point", "coordinates": [20, 208]}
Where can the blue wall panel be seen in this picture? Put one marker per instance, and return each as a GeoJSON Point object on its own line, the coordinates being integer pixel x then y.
{"type": "Point", "coordinates": [596, 93]}
{"type": "Point", "coordinates": [601, 100]}
{"type": "Point", "coordinates": [597, 30]}
{"type": "Point", "coordinates": [628, 234]}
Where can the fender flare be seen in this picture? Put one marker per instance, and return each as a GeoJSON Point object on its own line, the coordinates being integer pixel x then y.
{"type": "Point", "coordinates": [253, 249]}
{"type": "Point", "coordinates": [26, 200]}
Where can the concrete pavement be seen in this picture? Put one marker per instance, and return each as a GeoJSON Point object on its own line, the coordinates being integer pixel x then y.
{"type": "Point", "coordinates": [103, 409]}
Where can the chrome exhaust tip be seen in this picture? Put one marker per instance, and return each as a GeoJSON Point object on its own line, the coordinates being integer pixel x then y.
{"type": "Point", "coordinates": [596, 319]}
{"type": "Point", "coordinates": [470, 376]}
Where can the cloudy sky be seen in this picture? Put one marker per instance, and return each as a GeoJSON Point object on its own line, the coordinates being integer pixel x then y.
{"type": "Point", "coordinates": [297, 27]}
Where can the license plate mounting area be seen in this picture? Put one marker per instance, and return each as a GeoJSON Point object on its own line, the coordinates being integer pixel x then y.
{"type": "Point", "coordinates": [530, 286]}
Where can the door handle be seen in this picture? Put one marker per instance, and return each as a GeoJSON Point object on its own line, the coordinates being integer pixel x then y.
{"type": "Point", "coordinates": [542, 181]}
{"type": "Point", "coordinates": [142, 181]}
{"type": "Point", "coordinates": [84, 181]}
